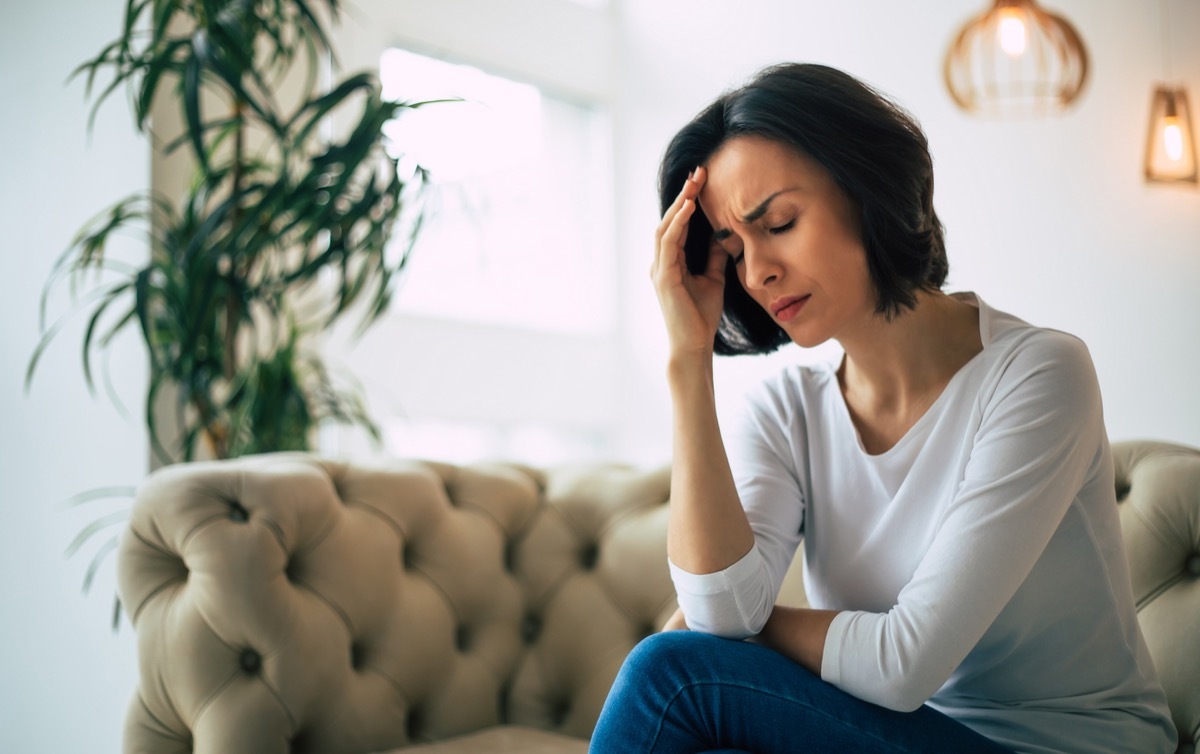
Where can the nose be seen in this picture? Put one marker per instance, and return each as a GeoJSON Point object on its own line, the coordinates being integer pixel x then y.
{"type": "Point", "coordinates": [760, 266]}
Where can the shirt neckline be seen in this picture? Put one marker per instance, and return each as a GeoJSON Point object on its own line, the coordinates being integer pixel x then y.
{"type": "Point", "coordinates": [934, 408]}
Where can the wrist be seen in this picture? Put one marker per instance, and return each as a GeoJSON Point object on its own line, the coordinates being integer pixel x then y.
{"type": "Point", "coordinates": [798, 633]}
{"type": "Point", "coordinates": [688, 365]}
{"type": "Point", "coordinates": [690, 380]}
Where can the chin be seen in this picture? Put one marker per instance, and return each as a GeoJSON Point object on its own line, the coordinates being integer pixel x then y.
{"type": "Point", "coordinates": [807, 340]}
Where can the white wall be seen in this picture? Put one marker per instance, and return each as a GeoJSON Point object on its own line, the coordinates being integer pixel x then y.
{"type": "Point", "coordinates": [66, 679]}
{"type": "Point", "coordinates": [1048, 219]}
{"type": "Point", "coordinates": [421, 368]}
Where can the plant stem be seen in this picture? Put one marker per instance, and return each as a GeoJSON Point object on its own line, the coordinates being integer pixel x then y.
{"type": "Point", "coordinates": [237, 266]}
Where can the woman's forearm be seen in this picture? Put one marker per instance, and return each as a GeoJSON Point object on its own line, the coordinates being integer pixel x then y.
{"type": "Point", "coordinates": [707, 530]}
{"type": "Point", "coordinates": [798, 634]}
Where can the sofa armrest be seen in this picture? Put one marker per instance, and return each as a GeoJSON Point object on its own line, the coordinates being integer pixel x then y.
{"type": "Point", "coordinates": [1158, 492]}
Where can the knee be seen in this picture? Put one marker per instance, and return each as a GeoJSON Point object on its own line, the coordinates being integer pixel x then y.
{"type": "Point", "coordinates": [658, 667]}
{"type": "Point", "coordinates": [662, 655]}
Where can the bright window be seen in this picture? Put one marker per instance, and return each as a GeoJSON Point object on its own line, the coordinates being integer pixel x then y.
{"type": "Point", "coordinates": [518, 231]}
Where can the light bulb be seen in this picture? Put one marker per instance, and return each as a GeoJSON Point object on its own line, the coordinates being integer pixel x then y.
{"type": "Point", "coordinates": [1012, 32]}
{"type": "Point", "coordinates": [1172, 139]}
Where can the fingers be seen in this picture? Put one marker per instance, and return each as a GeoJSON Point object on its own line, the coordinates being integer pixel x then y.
{"type": "Point", "coordinates": [691, 189]}
{"type": "Point", "coordinates": [676, 622]}
{"type": "Point", "coordinates": [676, 233]}
{"type": "Point", "coordinates": [671, 234]}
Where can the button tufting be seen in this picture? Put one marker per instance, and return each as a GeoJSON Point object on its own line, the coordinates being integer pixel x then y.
{"type": "Point", "coordinates": [558, 714]}
{"type": "Point", "coordinates": [1193, 564]}
{"type": "Point", "coordinates": [462, 638]}
{"type": "Point", "coordinates": [299, 743]}
{"type": "Point", "coordinates": [415, 723]}
{"type": "Point", "coordinates": [530, 628]}
{"type": "Point", "coordinates": [510, 557]}
{"type": "Point", "coordinates": [502, 701]}
{"type": "Point", "coordinates": [356, 655]}
{"type": "Point", "coordinates": [238, 513]}
{"type": "Point", "coordinates": [250, 661]}
{"type": "Point", "coordinates": [588, 556]}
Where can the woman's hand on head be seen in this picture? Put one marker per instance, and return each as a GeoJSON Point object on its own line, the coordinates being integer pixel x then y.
{"type": "Point", "coordinates": [691, 304]}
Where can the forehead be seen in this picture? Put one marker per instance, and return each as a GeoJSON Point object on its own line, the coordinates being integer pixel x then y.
{"type": "Point", "coordinates": [747, 170]}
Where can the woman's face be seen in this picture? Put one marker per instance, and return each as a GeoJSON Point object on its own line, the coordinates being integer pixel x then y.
{"type": "Point", "coordinates": [794, 236]}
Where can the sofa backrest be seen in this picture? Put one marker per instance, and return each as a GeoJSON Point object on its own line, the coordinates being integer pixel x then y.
{"type": "Point", "coordinates": [289, 604]}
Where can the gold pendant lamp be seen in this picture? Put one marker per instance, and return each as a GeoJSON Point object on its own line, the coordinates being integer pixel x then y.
{"type": "Point", "coordinates": [1016, 59]}
{"type": "Point", "coordinates": [1170, 146]}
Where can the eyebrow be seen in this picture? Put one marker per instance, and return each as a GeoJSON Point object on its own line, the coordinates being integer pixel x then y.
{"type": "Point", "coordinates": [754, 214]}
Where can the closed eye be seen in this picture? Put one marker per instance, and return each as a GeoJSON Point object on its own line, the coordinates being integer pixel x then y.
{"type": "Point", "coordinates": [782, 228]}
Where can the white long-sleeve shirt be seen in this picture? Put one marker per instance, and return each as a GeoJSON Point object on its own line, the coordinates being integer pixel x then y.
{"type": "Point", "coordinates": [977, 564]}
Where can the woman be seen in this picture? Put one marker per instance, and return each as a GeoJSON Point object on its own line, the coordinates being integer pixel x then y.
{"type": "Point", "coordinates": [951, 476]}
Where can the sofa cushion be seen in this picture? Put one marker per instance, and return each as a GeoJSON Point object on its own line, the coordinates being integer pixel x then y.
{"type": "Point", "coordinates": [506, 739]}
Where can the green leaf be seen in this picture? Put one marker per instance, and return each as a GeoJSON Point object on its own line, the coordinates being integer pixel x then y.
{"type": "Point", "coordinates": [191, 99]}
{"type": "Point", "coordinates": [133, 11]}
{"type": "Point", "coordinates": [120, 324]}
{"type": "Point", "coordinates": [43, 342]}
{"type": "Point", "coordinates": [142, 305]}
{"type": "Point", "coordinates": [223, 126]}
{"type": "Point", "coordinates": [230, 62]}
{"type": "Point", "coordinates": [94, 528]}
{"type": "Point", "coordinates": [93, 66]}
{"type": "Point", "coordinates": [97, 561]}
{"type": "Point", "coordinates": [318, 108]}
{"type": "Point", "coordinates": [164, 10]}
{"type": "Point", "coordinates": [160, 451]}
{"type": "Point", "coordinates": [152, 78]}
{"type": "Point", "coordinates": [310, 21]}
{"type": "Point", "coordinates": [99, 493]}
{"type": "Point", "coordinates": [112, 295]}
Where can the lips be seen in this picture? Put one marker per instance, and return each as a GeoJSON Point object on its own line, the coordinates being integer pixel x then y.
{"type": "Point", "coordinates": [788, 307]}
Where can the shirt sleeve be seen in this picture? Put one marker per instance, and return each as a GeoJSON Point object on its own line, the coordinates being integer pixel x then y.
{"type": "Point", "coordinates": [1040, 436]}
{"type": "Point", "coordinates": [736, 602]}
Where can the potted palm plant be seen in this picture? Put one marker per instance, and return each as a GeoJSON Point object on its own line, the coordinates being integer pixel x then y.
{"type": "Point", "coordinates": [281, 208]}
{"type": "Point", "coordinates": [277, 210]}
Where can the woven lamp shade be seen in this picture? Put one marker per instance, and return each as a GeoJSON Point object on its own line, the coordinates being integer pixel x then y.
{"type": "Point", "coordinates": [1016, 59]}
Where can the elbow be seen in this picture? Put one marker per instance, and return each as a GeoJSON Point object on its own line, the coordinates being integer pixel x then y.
{"type": "Point", "coordinates": [906, 669]}
{"type": "Point", "coordinates": [901, 700]}
{"type": "Point", "coordinates": [905, 694]}
{"type": "Point", "coordinates": [726, 619]}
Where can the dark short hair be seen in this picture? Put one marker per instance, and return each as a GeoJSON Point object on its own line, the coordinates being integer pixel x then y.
{"type": "Point", "coordinates": [873, 149]}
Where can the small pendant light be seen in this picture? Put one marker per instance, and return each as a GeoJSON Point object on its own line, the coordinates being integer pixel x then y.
{"type": "Point", "coordinates": [1016, 59]}
{"type": "Point", "coordinates": [1170, 147]}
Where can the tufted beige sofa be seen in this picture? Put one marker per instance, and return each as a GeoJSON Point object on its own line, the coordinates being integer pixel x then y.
{"type": "Point", "coordinates": [285, 603]}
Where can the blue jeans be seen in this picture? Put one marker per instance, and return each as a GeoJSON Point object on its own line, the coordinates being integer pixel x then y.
{"type": "Point", "coordinates": [683, 692]}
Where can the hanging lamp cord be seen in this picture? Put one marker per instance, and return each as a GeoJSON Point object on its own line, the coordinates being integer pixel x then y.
{"type": "Point", "coordinates": [1165, 18]}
